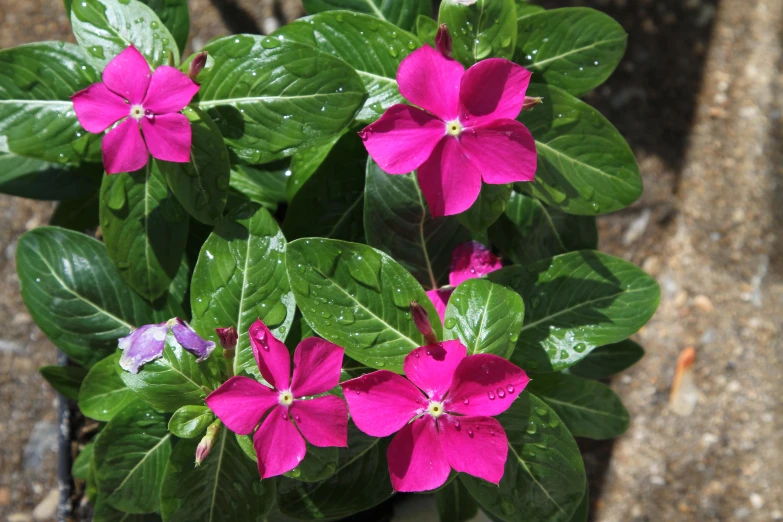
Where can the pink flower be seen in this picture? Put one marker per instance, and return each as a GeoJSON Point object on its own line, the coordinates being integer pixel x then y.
{"type": "Point", "coordinates": [141, 102]}
{"type": "Point", "coordinates": [242, 402]}
{"type": "Point", "coordinates": [469, 260]}
{"type": "Point", "coordinates": [443, 414]}
{"type": "Point", "coordinates": [465, 134]}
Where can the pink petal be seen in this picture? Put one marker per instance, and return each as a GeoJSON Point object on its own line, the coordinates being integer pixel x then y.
{"type": "Point", "coordinates": [428, 79]}
{"type": "Point", "coordinates": [492, 89]}
{"type": "Point", "coordinates": [128, 74]}
{"type": "Point", "coordinates": [317, 365]}
{"type": "Point", "coordinates": [485, 384]}
{"type": "Point", "coordinates": [382, 402]}
{"type": "Point", "coordinates": [168, 136]}
{"type": "Point", "coordinates": [416, 460]}
{"type": "Point", "coordinates": [170, 91]}
{"type": "Point", "coordinates": [123, 148]}
{"type": "Point", "coordinates": [279, 446]}
{"type": "Point", "coordinates": [272, 356]}
{"type": "Point", "coordinates": [97, 108]}
{"type": "Point", "coordinates": [240, 402]}
{"type": "Point", "coordinates": [403, 138]}
{"type": "Point", "coordinates": [440, 298]}
{"type": "Point", "coordinates": [477, 446]}
{"type": "Point", "coordinates": [432, 367]}
{"type": "Point", "coordinates": [503, 151]}
{"type": "Point", "coordinates": [449, 181]}
{"type": "Point", "coordinates": [323, 421]}
{"type": "Point", "coordinates": [471, 260]}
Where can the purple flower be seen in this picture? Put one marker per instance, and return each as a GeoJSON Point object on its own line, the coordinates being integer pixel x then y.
{"type": "Point", "coordinates": [145, 344]}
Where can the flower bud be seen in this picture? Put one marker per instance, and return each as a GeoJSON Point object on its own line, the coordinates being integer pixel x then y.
{"type": "Point", "coordinates": [228, 337]}
{"type": "Point", "coordinates": [443, 41]}
{"type": "Point", "coordinates": [198, 63]}
{"type": "Point", "coordinates": [203, 448]}
{"type": "Point", "coordinates": [422, 322]}
{"type": "Point", "coordinates": [531, 101]}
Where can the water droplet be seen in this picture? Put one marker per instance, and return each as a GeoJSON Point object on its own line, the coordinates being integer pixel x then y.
{"type": "Point", "coordinates": [580, 347]}
{"type": "Point", "coordinates": [510, 388]}
{"type": "Point", "coordinates": [553, 423]}
{"type": "Point", "coordinates": [457, 426]}
{"type": "Point", "coordinates": [340, 18]}
{"type": "Point", "coordinates": [513, 337]}
{"type": "Point", "coordinates": [531, 428]}
{"type": "Point", "coordinates": [393, 52]}
{"type": "Point", "coordinates": [270, 43]}
{"type": "Point", "coordinates": [470, 433]}
{"type": "Point", "coordinates": [501, 393]}
{"type": "Point", "coordinates": [491, 396]}
{"type": "Point", "coordinates": [485, 367]}
{"type": "Point", "coordinates": [153, 24]}
{"type": "Point", "coordinates": [465, 400]}
{"type": "Point", "coordinates": [284, 415]}
{"type": "Point", "coordinates": [96, 51]}
{"type": "Point", "coordinates": [239, 46]}
{"type": "Point", "coordinates": [541, 411]}
{"type": "Point", "coordinates": [450, 323]}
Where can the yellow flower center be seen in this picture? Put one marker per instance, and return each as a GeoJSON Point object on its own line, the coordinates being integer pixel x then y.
{"type": "Point", "coordinates": [137, 112]}
{"type": "Point", "coordinates": [285, 398]}
{"type": "Point", "coordinates": [453, 128]}
{"type": "Point", "coordinates": [435, 409]}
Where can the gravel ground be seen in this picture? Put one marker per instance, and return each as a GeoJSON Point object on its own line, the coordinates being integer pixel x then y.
{"type": "Point", "coordinates": [699, 99]}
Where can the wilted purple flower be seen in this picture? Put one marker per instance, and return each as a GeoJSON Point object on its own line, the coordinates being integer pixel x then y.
{"type": "Point", "coordinates": [145, 344]}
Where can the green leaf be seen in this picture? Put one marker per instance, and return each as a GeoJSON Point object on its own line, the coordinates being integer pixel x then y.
{"type": "Point", "coordinates": [605, 361]}
{"type": "Point", "coordinates": [173, 381]}
{"type": "Point", "coordinates": [190, 421]}
{"type": "Point", "coordinates": [172, 304]}
{"type": "Point", "coordinates": [487, 209]}
{"type": "Point", "coordinates": [333, 195]}
{"type": "Point", "coordinates": [402, 13]}
{"type": "Point", "coordinates": [131, 456]}
{"type": "Point", "coordinates": [103, 394]}
{"type": "Point", "coordinates": [583, 511]}
{"type": "Point", "coordinates": [80, 215]}
{"type": "Point", "coordinates": [374, 48]}
{"type": "Point", "coordinates": [482, 29]}
{"type": "Point", "coordinates": [318, 463]}
{"type": "Point", "coordinates": [144, 229]}
{"type": "Point", "coordinates": [202, 184]}
{"type": "Point", "coordinates": [240, 277]}
{"type": "Point", "coordinates": [584, 165]}
{"type": "Point", "coordinates": [174, 15]}
{"type": "Point", "coordinates": [304, 164]}
{"type": "Point", "coordinates": [485, 316]}
{"type": "Point", "coordinates": [530, 231]}
{"type": "Point", "coordinates": [588, 408]}
{"type": "Point", "coordinates": [103, 512]}
{"type": "Point", "coordinates": [36, 112]}
{"type": "Point", "coordinates": [75, 294]}
{"type": "Point", "coordinates": [270, 98]}
{"type": "Point", "coordinates": [105, 28]}
{"type": "Point", "coordinates": [544, 477]}
{"type": "Point", "coordinates": [397, 221]}
{"type": "Point", "coordinates": [455, 503]}
{"type": "Point", "coordinates": [225, 488]}
{"type": "Point", "coordinates": [81, 464]}
{"type": "Point", "coordinates": [360, 482]}
{"type": "Point", "coordinates": [574, 48]}
{"type": "Point", "coordinates": [358, 298]}
{"type": "Point", "coordinates": [525, 8]}
{"type": "Point", "coordinates": [426, 29]}
{"type": "Point", "coordinates": [36, 179]}
{"type": "Point", "coordinates": [262, 184]}
{"type": "Point", "coordinates": [576, 302]}
{"type": "Point", "coordinates": [66, 380]}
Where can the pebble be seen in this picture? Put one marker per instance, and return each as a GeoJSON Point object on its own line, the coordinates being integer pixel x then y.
{"type": "Point", "coordinates": [703, 303]}
{"type": "Point", "coordinates": [19, 517]}
{"type": "Point", "coordinates": [5, 496]}
{"type": "Point", "coordinates": [47, 508]}
{"type": "Point", "coordinates": [756, 501]}
{"type": "Point", "coordinates": [41, 444]}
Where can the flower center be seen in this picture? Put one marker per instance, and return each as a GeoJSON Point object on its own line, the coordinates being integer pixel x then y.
{"type": "Point", "coordinates": [453, 128]}
{"type": "Point", "coordinates": [435, 409]}
{"type": "Point", "coordinates": [286, 399]}
{"type": "Point", "coordinates": [137, 112]}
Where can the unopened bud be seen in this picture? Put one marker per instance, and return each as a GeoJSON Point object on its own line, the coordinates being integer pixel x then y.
{"type": "Point", "coordinates": [422, 322]}
{"type": "Point", "coordinates": [443, 41]}
{"type": "Point", "coordinates": [198, 63]}
{"type": "Point", "coordinates": [228, 337]}
{"type": "Point", "coordinates": [204, 447]}
{"type": "Point", "coordinates": [531, 101]}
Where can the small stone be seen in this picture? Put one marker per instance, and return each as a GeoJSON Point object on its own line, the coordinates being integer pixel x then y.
{"type": "Point", "coordinates": [741, 513]}
{"type": "Point", "coordinates": [47, 508]}
{"type": "Point", "coordinates": [681, 298]}
{"type": "Point", "coordinates": [703, 303]}
{"type": "Point", "coordinates": [652, 265]}
{"type": "Point", "coordinates": [19, 517]}
{"type": "Point", "coordinates": [41, 445]}
{"type": "Point", "coordinates": [655, 480]}
{"type": "Point", "coordinates": [5, 496]}
{"type": "Point", "coordinates": [756, 501]}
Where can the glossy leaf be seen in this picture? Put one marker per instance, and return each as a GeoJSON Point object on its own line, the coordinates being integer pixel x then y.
{"type": "Point", "coordinates": [608, 360]}
{"type": "Point", "coordinates": [65, 380]}
{"type": "Point", "coordinates": [172, 304]}
{"type": "Point", "coordinates": [240, 277]}
{"type": "Point", "coordinates": [584, 165]}
{"type": "Point", "coordinates": [75, 294]}
{"type": "Point", "coordinates": [455, 503]}
{"type": "Point", "coordinates": [105, 28]}
{"type": "Point", "coordinates": [201, 185]}
{"type": "Point", "coordinates": [81, 464]}
{"type": "Point", "coordinates": [225, 488]}
{"type": "Point", "coordinates": [318, 463]}
{"type": "Point", "coordinates": [190, 421]}
{"type": "Point", "coordinates": [330, 203]}
{"type": "Point", "coordinates": [485, 316]}
{"type": "Point", "coordinates": [530, 231]}
{"type": "Point", "coordinates": [131, 456]}
{"type": "Point", "coordinates": [357, 298]}
{"type": "Point", "coordinates": [402, 13]}
{"type": "Point", "coordinates": [397, 221]}
{"type": "Point", "coordinates": [80, 215]}
{"type": "Point", "coordinates": [144, 229]}
{"type": "Point", "coordinates": [103, 512]}
{"type": "Point", "coordinates": [35, 179]}
{"type": "Point", "coordinates": [270, 98]}
{"type": "Point", "coordinates": [36, 112]}
{"type": "Point", "coordinates": [487, 209]}
{"type": "Point", "coordinates": [574, 48]}
{"type": "Point", "coordinates": [374, 48]}
{"type": "Point", "coordinates": [426, 29]}
{"type": "Point", "coordinates": [360, 482]}
{"type": "Point", "coordinates": [262, 184]}
{"type": "Point", "coordinates": [588, 408]}
{"type": "Point", "coordinates": [576, 302]}
{"type": "Point", "coordinates": [544, 477]}
{"type": "Point", "coordinates": [480, 29]}
{"type": "Point", "coordinates": [304, 164]}
{"type": "Point", "coordinates": [525, 8]}
{"type": "Point", "coordinates": [103, 394]}
{"type": "Point", "coordinates": [174, 15]}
